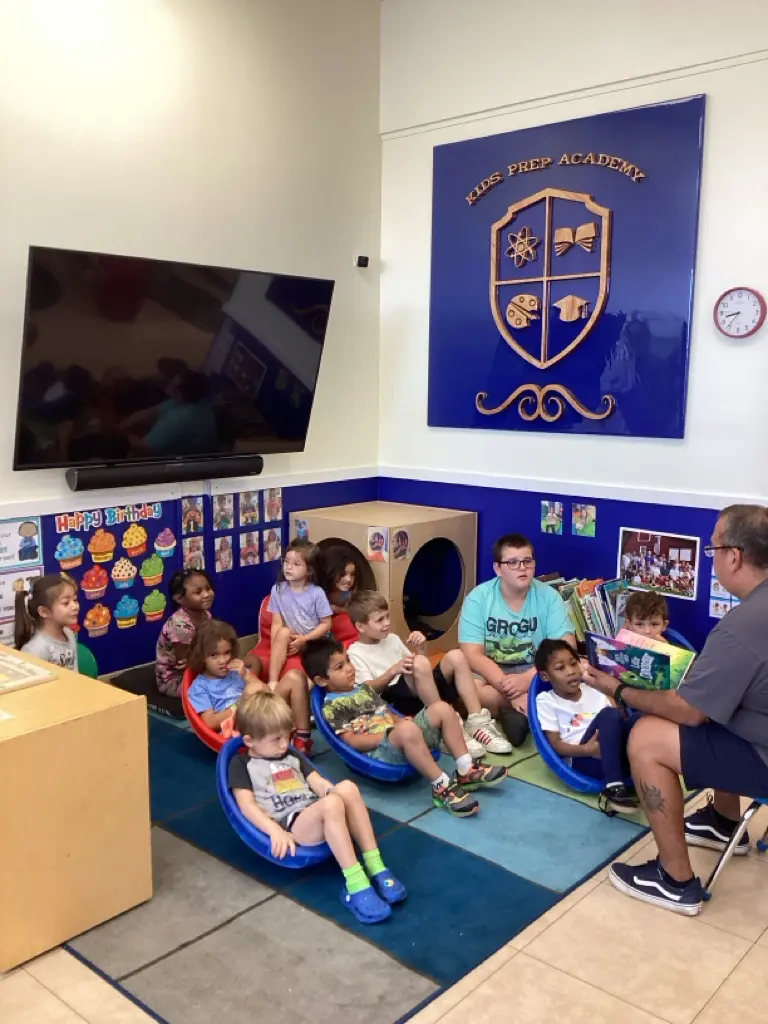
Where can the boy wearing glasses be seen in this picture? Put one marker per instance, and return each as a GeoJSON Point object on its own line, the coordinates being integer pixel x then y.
{"type": "Point", "coordinates": [502, 624]}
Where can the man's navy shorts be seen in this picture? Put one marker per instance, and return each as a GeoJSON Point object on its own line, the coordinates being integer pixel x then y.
{"type": "Point", "coordinates": [712, 757]}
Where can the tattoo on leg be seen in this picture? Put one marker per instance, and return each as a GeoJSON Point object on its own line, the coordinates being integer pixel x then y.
{"type": "Point", "coordinates": [651, 797]}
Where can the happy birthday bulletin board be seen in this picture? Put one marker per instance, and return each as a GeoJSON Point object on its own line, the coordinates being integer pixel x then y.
{"type": "Point", "coordinates": [122, 558]}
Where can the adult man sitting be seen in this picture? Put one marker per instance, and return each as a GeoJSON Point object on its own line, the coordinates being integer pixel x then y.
{"type": "Point", "coordinates": [713, 730]}
{"type": "Point", "coordinates": [502, 623]}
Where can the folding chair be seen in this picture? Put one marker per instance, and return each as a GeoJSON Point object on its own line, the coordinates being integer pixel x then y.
{"type": "Point", "coordinates": [725, 856]}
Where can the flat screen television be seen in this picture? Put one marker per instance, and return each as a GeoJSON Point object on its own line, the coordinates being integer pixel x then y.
{"type": "Point", "coordinates": [130, 360]}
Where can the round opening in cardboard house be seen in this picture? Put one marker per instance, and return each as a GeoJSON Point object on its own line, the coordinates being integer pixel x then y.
{"type": "Point", "coordinates": [433, 589]}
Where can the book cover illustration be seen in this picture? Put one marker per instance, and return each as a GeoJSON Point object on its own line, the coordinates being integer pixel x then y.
{"type": "Point", "coordinates": [639, 661]}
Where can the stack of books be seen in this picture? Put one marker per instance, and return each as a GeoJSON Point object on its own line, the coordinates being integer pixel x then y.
{"type": "Point", "coordinates": [595, 606]}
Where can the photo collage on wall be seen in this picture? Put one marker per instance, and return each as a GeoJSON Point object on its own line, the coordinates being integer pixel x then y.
{"type": "Point", "coordinates": [247, 527]}
{"type": "Point", "coordinates": [583, 518]}
{"type": "Point", "coordinates": [121, 558]}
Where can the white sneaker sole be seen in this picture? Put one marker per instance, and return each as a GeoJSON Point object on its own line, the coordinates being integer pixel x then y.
{"type": "Point", "coordinates": [684, 909]}
{"type": "Point", "coordinates": [714, 844]}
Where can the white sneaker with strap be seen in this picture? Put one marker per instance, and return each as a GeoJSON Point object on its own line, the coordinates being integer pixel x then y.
{"type": "Point", "coordinates": [484, 731]}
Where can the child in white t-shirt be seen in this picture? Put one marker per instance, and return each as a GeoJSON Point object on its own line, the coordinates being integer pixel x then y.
{"type": "Point", "coordinates": [406, 679]}
{"type": "Point", "coordinates": [581, 724]}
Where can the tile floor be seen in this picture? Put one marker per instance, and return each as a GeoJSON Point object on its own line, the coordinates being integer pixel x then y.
{"type": "Point", "coordinates": [566, 965]}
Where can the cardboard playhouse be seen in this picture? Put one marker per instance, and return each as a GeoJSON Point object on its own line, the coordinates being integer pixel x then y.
{"type": "Point", "coordinates": [423, 559]}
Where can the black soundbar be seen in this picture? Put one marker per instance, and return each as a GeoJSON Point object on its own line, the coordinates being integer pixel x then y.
{"type": "Point", "coordinates": [91, 478]}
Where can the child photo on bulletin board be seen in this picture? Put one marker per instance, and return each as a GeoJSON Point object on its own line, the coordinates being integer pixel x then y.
{"type": "Point", "coordinates": [583, 520]}
{"type": "Point", "coordinates": [249, 549]}
{"type": "Point", "coordinates": [378, 544]}
{"type": "Point", "coordinates": [273, 505]}
{"type": "Point", "coordinates": [191, 515]}
{"type": "Point", "coordinates": [224, 512]}
{"type": "Point", "coordinates": [248, 504]}
{"type": "Point", "coordinates": [224, 559]}
{"type": "Point", "coordinates": [194, 556]}
{"type": "Point", "coordinates": [552, 517]}
{"type": "Point", "coordinates": [273, 545]}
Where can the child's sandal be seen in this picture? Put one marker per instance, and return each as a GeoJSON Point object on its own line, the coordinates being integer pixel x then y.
{"type": "Point", "coordinates": [365, 905]}
{"type": "Point", "coordinates": [388, 887]}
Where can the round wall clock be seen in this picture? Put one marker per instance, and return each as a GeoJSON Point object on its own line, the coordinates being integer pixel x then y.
{"type": "Point", "coordinates": [739, 312]}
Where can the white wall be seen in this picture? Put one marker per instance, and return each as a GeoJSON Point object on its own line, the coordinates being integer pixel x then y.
{"type": "Point", "coordinates": [451, 71]}
{"type": "Point", "coordinates": [234, 132]}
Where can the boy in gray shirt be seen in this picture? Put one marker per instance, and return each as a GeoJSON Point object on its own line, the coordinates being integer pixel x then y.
{"type": "Point", "coordinates": [279, 792]}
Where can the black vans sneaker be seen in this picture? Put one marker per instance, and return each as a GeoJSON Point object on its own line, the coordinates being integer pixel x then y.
{"type": "Point", "coordinates": [707, 828]}
{"type": "Point", "coordinates": [620, 798]}
{"type": "Point", "coordinates": [647, 882]}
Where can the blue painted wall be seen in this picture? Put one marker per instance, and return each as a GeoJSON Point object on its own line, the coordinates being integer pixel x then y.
{"type": "Point", "coordinates": [504, 511]}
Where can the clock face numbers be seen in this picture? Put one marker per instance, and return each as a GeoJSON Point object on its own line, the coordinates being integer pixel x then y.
{"type": "Point", "coordinates": [739, 313]}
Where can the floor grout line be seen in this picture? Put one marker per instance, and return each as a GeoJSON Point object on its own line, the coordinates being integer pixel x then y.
{"type": "Point", "coordinates": [191, 942]}
{"type": "Point", "coordinates": [56, 996]}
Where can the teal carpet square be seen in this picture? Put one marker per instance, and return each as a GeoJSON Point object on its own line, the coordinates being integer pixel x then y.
{"type": "Point", "coordinates": [400, 800]}
{"type": "Point", "coordinates": [546, 838]}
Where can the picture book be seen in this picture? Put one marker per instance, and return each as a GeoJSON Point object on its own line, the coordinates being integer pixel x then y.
{"type": "Point", "coordinates": [639, 661]}
{"type": "Point", "coordinates": [16, 673]}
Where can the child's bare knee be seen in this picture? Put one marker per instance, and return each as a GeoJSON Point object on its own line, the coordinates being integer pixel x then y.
{"type": "Point", "coordinates": [294, 678]}
{"type": "Point", "coordinates": [347, 788]}
{"type": "Point", "coordinates": [406, 731]}
{"type": "Point", "coordinates": [454, 659]}
{"type": "Point", "coordinates": [332, 804]}
{"type": "Point", "coordinates": [421, 664]}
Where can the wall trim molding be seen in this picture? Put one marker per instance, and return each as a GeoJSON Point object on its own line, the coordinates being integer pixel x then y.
{"type": "Point", "coordinates": [573, 488]}
{"type": "Point", "coordinates": [82, 500]}
{"type": "Point", "coordinates": [557, 99]}
{"type": "Point", "coordinates": [39, 506]}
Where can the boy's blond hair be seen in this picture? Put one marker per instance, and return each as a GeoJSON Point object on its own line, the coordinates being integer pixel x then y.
{"type": "Point", "coordinates": [364, 603]}
{"type": "Point", "coordinates": [263, 714]}
{"type": "Point", "coordinates": [643, 604]}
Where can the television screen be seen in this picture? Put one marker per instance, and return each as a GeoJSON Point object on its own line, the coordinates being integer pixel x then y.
{"type": "Point", "coordinates": [135, 360]}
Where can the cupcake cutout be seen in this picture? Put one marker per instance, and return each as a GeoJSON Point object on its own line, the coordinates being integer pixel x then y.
{"type": "Point", "coordinates": [126, 612]}
{"type": "Point", "coordinates": [102, 546]}
{"type": "Point", "coordinates": [152, 570]}
{"type": "Point", "coordinates": [124, 574]}
{"type": "Point", "coordinates": [69, 552]}
{"type": "Point", "coordinates": [165, 543]}
{"type": "Point", "coordinates": [135, 541]}
{"type": "Point", "coordinates": [94, 583]}
{"type": "Point", "coordinates": [154, 606]}
{"type": "Point", "coordinates": [97, 620]}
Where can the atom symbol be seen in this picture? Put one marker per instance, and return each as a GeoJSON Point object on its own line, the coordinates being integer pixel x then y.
{"type": "Point", "coordinates": [522, 246]}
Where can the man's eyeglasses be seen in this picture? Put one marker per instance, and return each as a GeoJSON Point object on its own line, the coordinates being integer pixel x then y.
{"type": "Point", "coordinates": [518, 563]}
{"type": "Point", "coordinates": [710, 549]}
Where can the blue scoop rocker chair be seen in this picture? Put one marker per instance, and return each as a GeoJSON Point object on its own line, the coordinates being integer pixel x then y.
{"type": "Point", "coordinates": [359, 763]}
{"type": "Point", "coordinates": [258, 841]}
{"type": "Point", "coordinates": [575, 779]}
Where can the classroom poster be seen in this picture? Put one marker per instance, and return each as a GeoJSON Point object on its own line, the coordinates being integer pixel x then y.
{"type": "Point", "coordinates": [20, 543]}
{"type": "Point", "coordinates": [122, 558]}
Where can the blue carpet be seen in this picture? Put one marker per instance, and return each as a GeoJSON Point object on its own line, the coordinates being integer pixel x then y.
{"type": "Point", "coordinates": [546, 838]}
{"type": "Point", "coordinates": [474, 883]}
{"type": "Point", "coordinates": [461, 909]}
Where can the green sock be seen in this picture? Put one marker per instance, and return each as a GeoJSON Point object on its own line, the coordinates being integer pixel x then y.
{"type": "Point", "coordinates": [355, 878]}
{"type": "Point", "coordinates": [374, 865]}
